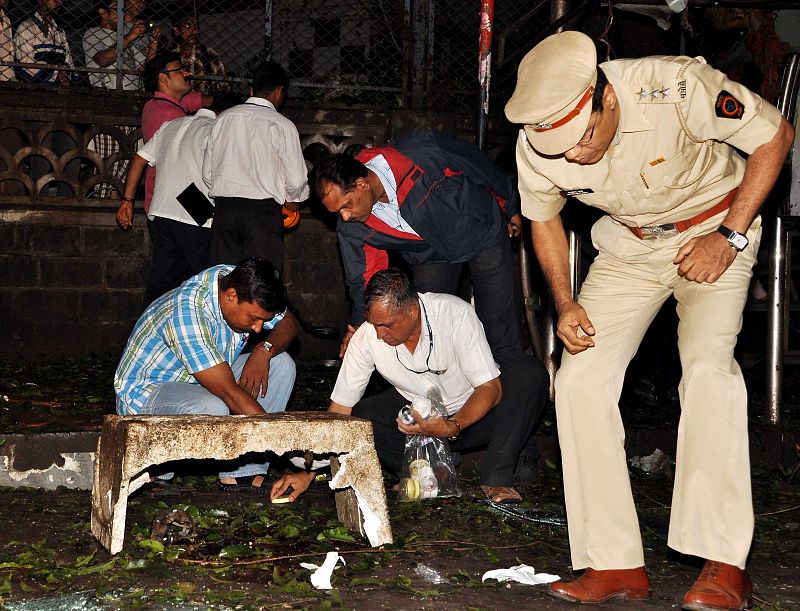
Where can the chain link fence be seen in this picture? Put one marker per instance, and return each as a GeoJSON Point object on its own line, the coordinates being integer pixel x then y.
{"type": "Point", "coordinates": [334, 50]}
{"type": "Point", "coordinates": [392, 53]}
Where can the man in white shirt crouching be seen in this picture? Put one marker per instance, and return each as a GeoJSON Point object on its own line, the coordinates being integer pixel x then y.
{"type": "Point", "coordinates": [435, 340]}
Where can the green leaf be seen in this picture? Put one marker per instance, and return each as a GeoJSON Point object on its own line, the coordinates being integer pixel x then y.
{"type": "Point", "coordinates": [237, 550]}
{"type": "Point", "coordinates": [152, 544]}
{"type": "Point", "coordinates": [290, 531]}
{"type": "Point", "coordinates": [84, 560]}
{"type": "Point", "coordinates": [136, 564]}
{"type": "Point", "coordinates": [98, 568]}
{"type": "Point", "coordinates": [340, 533]}
{"type": "Point", "coordinates": [367, 581]}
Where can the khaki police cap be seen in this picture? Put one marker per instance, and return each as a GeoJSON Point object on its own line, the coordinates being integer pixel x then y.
{"type": "Point", "coordinates": [553, 96]}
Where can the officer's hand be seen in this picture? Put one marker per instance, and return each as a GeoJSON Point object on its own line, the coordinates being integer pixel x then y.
{"type": "Point", "coordinates": [125, 215]}
{"type": "Point", "coordinates": [705, 259]}
{"type": "Point", "coordinates": [349, 334]}
{"type": "Point", "coordinates": [298, 482]}
{"type": "Point", "coordinates": [515, 226]}
{"type": "Point", "coordinates": [574, 328]}
{"type": "Point", "coordinates": [255, 373]}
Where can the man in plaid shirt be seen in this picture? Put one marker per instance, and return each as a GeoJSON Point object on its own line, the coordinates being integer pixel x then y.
{"type": "Point", "coordinates": [185, 354]}
{"type": "Point", "coordinates": [200, 61]}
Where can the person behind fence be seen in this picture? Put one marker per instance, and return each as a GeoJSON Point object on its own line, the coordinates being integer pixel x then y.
{"type": "Point", "coordinates": [172, 98]}
{"type": "Point", "coordinates": [253, 166]}
{"type": "Point", "coordinates": [6, 43]}
{"type": "Point", "coordinates": [418, 341]}
{"type": "Point", "coordinates": [200, 61]}
{"type": "Point", "coordinates": [180, 213]}
{"type": "Point", "coordinates": [184, 355]}
{"type": "Point", "coordinates": [39, 40]}
{"type": "Point", "coordinates": [100, 47]}
{"type": "Point", "coordinates": [653, 143]}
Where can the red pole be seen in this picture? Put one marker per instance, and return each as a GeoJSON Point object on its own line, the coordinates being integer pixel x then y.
{"type": "Point", "coordinates": [484, 68]}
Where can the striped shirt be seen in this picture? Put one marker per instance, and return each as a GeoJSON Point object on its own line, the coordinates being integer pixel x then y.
{"type": "Point", "coordinates": [181, 333]}
{"type": "Point", "coordinates": [459, 349]}
{"type": "Point", "coordinates": [6, 47]}
{"type": "Point", "coordinates": [37, 42]}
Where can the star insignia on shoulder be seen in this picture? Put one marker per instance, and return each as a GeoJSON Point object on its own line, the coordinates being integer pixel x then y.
{"type": "Point", "coordinates": [643, 94]}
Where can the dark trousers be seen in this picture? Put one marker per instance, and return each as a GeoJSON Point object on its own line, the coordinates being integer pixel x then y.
{"type": "Point", "coordinates": [247, 228]}
{"type": "Point", "coordinates": [504, 430]}
{"type": "Point", "coordinates": [180, 251]}
{"type": "Point", "coordinates": [492, 276]}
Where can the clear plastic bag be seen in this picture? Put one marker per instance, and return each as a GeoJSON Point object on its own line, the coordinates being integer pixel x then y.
{"type": "Point", "coordinates": [428, 470]}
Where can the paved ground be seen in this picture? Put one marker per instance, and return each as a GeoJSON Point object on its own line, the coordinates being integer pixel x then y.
{"type": "Point", "coordinates": [240, 552]}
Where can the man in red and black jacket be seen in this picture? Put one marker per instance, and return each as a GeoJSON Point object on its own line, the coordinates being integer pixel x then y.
{"type": "Point", "coordinates": [440, 203]}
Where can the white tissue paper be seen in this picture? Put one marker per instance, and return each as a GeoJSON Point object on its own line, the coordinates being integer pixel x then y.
{"type": "Point", "coordinates": [321, 577]}
{"type": "Point", "coordinates": [522, 574]}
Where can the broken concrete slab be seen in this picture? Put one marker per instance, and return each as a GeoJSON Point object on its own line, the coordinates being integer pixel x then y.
{"type": "Point", "coordinates": [129, 445]}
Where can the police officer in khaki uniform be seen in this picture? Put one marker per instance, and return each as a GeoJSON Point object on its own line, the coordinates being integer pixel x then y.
{"type": "Point", "coordinates": [655, 143]}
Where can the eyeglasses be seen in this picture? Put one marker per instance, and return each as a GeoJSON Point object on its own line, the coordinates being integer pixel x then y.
{"type": "Point", "coordinates": [181, 69]}
{"type": "Point", "coordinates": [436, 372]}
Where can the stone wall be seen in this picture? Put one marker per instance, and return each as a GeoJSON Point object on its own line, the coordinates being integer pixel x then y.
{"type": "Point", "coordinates": [74, 282]}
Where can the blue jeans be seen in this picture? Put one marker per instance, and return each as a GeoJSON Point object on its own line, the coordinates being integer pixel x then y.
{"type": "Point", "coordinates": [173, 398]}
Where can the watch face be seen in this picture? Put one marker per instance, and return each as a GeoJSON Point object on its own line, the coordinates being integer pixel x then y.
{"type": "Point", "coordinates": [738, 241]}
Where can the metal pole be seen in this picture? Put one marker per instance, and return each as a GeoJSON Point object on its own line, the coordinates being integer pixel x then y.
{"type": "Point", "coordinates": [120, 35]}
{"type": "Point", "coordinates": [484, 69]}
{"type": "Point", "coordinates": [268, 29]}
{"type": "Point", "coordinates": [558, 8]}
{"type": "Point", "coordinates": [775, 321]}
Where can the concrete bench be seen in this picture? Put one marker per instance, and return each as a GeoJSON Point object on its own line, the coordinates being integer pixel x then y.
{"type": "Point", "coordinates": [128, 445]}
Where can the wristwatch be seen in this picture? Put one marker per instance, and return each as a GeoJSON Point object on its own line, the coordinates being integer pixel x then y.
{"type": "Point", "coordinates": [267, 347]}
{"type": "Point", "coordinates": [735, 239]}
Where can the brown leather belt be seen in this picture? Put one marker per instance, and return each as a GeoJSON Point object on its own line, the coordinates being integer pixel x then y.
{"type": "Point", "coordinates": [656, 232]}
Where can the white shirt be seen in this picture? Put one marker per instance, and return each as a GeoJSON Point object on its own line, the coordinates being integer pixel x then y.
{"type": "Point", "coordinates": [459, 347]}
{"type": "Point", "coordinates": [389, 212]}
{"type": "Point", "coordinates": [177, 149]}
{"type": "Point", "coordinates": [254, 153]}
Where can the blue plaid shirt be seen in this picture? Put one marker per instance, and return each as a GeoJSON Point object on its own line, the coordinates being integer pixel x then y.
{"type": "Point", "coordinates": [180, 333]}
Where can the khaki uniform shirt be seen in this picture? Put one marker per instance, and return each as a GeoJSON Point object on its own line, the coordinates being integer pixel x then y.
{"type": "Point", "coordinates": [673, 155]}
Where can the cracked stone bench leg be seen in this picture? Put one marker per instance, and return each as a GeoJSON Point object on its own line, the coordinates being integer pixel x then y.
{"type": "Point", "coordinates": [129, 445]}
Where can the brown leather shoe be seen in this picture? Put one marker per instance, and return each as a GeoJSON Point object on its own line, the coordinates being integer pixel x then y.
{"type": "Point", "coordinates": [719, 586]}
{"type": "Point", "coordinates": [598, 586]}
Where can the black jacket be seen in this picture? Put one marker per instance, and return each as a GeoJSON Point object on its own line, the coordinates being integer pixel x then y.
{"type": "Point", "coordinates": [448, 191]}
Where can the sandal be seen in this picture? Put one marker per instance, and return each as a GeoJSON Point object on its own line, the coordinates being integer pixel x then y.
{"type": "Point", "coordinates": [502, 494]}
{"type": "Point", "coordinates": [245, 485]}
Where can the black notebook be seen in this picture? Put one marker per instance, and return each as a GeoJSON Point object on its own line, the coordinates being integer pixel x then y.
{"type": "Point", "coordinates": [196, 204]}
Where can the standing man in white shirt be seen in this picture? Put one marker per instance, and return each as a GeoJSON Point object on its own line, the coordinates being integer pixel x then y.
{"type": "Point", "coordinates": [180, 212]}
{"type": "Point", "coordinates": [253, 166]}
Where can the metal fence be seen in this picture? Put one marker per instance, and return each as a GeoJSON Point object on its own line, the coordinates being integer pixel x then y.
{"type": "Point", "coordinates": [392, 53]}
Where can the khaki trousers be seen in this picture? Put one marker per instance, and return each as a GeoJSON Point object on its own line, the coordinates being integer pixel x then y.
{"type": "Point", "coordinates": [712, 512]}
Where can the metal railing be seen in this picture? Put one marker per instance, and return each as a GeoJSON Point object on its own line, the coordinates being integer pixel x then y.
{"type": "Point", "coordinates": [787, 227]}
